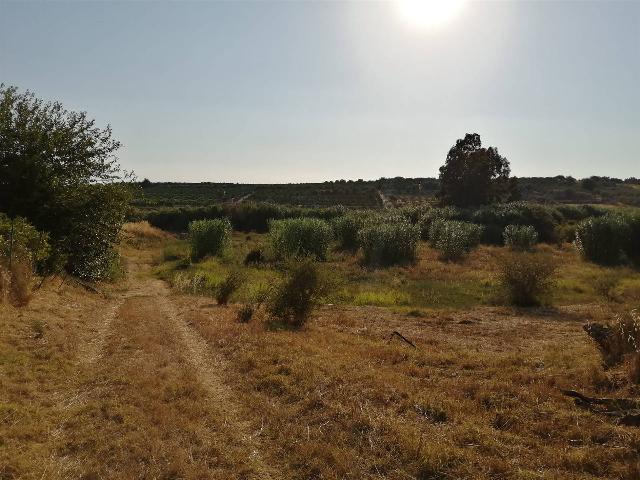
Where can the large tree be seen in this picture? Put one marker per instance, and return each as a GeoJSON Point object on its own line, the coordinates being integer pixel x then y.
{"type": "Point", "coordinates": [59, 170]}
{"type": "Point", "coordinates": [473, 175]}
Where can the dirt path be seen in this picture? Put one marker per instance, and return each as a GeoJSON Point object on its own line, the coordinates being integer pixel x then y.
{"type": "Point", "coordinates": [155, 384]}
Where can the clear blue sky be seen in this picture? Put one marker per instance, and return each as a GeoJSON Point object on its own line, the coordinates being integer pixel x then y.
{"type": "Point", "coordinates": [308, 91]}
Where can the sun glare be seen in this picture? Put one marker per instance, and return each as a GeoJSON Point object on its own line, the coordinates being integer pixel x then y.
{"type": "Point", "coordinates": [429, 14]}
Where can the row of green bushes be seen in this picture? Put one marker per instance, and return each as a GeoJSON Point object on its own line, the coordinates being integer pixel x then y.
{"type": "Point", "coordinates": [390, 237]}
{"type": "Point", "coordinates": [384, 240]}
{"type": "Point", "coordinates": [552, 223]}
{"type": "Point", "coordinates": [244, 217]}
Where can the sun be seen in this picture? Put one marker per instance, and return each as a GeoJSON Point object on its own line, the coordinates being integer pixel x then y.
{"type": "Point", "coordinates": [428, 14]}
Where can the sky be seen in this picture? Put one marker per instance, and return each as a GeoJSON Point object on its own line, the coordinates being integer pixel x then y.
{"type": "Point", "coordinates": [297, 91]}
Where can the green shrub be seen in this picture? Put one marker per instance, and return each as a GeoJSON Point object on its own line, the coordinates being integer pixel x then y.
{"type": "Point", "coordinates": [209, 237]}
{"type": "Point", "coordinates": [545, 219]}
{"type": "Point", "coordinates": [520, 237]}
{"type": "Point", "coordinates": [230, 284]}
{"type": "Point", "coordinates": [454, 238]}
{"type": "Point", "coordinates": [389, 243]}
{"type": "Point", "coordinates": [347, 228]}
{"type": "Point", "coordinates": [300, 237]}
{"type": "Point", "coordinates": [632, 245]}
{"type": "Point", "coordinates": [294, 298]}
{"type": "Point", "coordinates": [433, 214]}
{"type": "Point", "coordinates": [603, 239]}
{"type": "Point", "coordinates": [28, 243]}
{"type": "Point", "coordinates": [526, 277]}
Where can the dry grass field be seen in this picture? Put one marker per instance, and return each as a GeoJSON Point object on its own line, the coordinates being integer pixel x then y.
{"type": "Point", "coordinates": [144, 382]}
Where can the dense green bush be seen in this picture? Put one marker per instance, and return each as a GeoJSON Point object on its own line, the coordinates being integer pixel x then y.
{"type": "Point", "coordinates": [454, 238]}
{"type": "Point", "coordinates": [603, 239]}
{"type": "Point", "coordinates": [580, 212]}
{"type": "Point", "coordinates": [520, 237]}
{"type": "Point", "coordinates": [293, 300]}
{"type": "Point", "coordinates": [347, 228]}
{"type": "Point", "coordinates": [495, 218]}
{"type": "Point", "coordinates": [209, 237]}
{"type": "Point", "coordinates": [387, 243]}
{"type": "Point", "coordinates": [300, 237]}
{"type": "Point", "coordinates": [96, 214]}
{"type": "Point", "coordinates": [433, 214]}
{"type": "Point", "coordinates": [526, 278]}
{"type": "Point", "coordinates": [632, 245]}
{"type": "Point", "coordinates": [28, 243]}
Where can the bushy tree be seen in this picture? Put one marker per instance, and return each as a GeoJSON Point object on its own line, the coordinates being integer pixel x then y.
{"type": "Point", "coordinates": [473, 175]}
{"type": "Point", "coordinates": [60, 172]}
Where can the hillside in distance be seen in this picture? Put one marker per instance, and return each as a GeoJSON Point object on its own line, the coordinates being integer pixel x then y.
{"type": "Point", "coordinates": [376, 193]}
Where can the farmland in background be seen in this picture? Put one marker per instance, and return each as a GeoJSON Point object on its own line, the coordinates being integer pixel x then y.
{"type": "Point", "coordinates": [372, 193]}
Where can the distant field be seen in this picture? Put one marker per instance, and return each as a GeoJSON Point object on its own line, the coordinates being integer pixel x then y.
{"type": "Point", "coordinates": [370, 194]}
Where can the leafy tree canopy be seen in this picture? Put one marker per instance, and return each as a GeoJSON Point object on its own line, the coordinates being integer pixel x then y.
{"type": "Point", "coordinates": [60, 171]}
{"type": "Point", "coordinates": [473, 175]}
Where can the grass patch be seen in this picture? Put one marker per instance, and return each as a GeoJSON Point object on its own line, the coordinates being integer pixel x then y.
{"type": "Point", "coordinates": [428, 283]}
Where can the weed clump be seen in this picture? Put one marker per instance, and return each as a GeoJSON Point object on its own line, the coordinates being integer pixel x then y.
{"type": "Point", "coordinates": [293, 300]}
{"type": "Point", "coordinates": [245, 314]}
{"type": "Point", "coordinates": [605, 285]}
{"type": "Point", "coordinates": [230, 284]}
{"type": "Point", "coordinates": [389, 243]}
{"type": "Point", "coordinates": [617, 339]}
{"type": "Point", "coordinates": [300, 237]}
{"type": "Point", "coordinates": [520, 237]}
{"type": "Point", "coordinates": [209, 237]}
{"type": "Point", "coordinates": [526, 278]}
{"type": "Point", "coordinates": [453, 238]}
{"type": "Point", "coordinates": [254, 257]}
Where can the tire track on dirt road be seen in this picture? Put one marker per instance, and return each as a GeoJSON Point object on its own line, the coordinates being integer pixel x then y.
{"type": "Point", "coordinates": [208, 366]}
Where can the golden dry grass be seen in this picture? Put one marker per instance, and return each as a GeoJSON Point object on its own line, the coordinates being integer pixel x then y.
{"type": "Point", "coordinates": [143, 234]}
{"type": "Point", "coordinates": [147, 384]}
{"type": "Point", "coordinates": [478, 398]}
